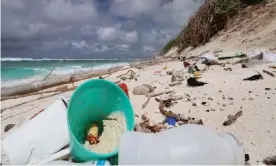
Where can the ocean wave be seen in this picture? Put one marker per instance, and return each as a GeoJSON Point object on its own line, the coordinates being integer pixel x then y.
{"type": "Point", "coordinates": [46, 59]}
{"type": "Point", "coordinates": [59, 71]}
{"type": "Point", "coordinates": [17, 82]}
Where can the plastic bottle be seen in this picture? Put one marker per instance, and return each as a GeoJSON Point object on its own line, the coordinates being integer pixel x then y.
{"type": "Point", "coordinates": [188, 144]}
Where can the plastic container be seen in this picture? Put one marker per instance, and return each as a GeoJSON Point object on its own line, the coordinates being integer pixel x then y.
{"type": "Point", "coordinates": [41, 136]}
{"type": "Point", "coordinates": [92, 101]}
{"type": "Point", "coordinates": [184, 145]}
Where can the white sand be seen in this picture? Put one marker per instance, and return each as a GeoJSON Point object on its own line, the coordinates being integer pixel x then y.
{"type": "Point", "coordinates": [110, 137]}
{"type": "Point", "coordinates": [255, 129]}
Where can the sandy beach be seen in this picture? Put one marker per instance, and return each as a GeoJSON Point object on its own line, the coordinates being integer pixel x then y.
{"type": "Point", "coordinates": [225, 92]}
{"type": "Point", "coordinates": [254, 129]}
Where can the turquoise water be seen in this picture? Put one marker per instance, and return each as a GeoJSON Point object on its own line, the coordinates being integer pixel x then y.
{"type": "Point", "coordinates": [16, 71]}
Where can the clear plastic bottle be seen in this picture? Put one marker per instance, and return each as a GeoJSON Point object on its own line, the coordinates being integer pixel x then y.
{"type": "Point", "coordinates": [187, 144]}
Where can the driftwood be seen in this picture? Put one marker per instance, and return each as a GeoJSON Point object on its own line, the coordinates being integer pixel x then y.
{"type": "Point", "coordinates": [146, 127]}
{"type": "Point", "coordinates": [124, 77]}
{"type": "Point", "coordinates": [52, 70]}
{"type": "Point", "coordinates": [269, 73]}
{"type": "Point", "coordinates": [52, 82]}
{"type": "Point", "coordinates": [232, 118]}
{"type": "Point", "coordinates": [42, 97]}
{"type": "Point", "coordinates": [154, 94]}
{"type": "Point", "coordinates": [167, 103]}
{"type": "Point", "coordinates": [39, 93]}
{"type": "Point", "coordinates": [150, 95]}
{"type": "Point", "coordinates": [18, 113]}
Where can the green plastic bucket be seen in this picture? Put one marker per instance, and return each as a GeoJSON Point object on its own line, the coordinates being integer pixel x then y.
{"type": "Point", "coordinates": [92, 101]}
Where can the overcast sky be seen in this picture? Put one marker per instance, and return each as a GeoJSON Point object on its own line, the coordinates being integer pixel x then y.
{"type": "Point", "coordinates": [91, 28]}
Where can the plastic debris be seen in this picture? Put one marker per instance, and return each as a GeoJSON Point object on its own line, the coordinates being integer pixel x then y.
{"type": "Point", "coordinates": [237, 55]}
{"type": "Point", "coordinates": [254, 77]}
{"type": "Point", "coordinates": [8, 127]}
{"type": "Point", "coordinates": [244, 66]}
{"type": "Point", "coordinates": [171, 121]}
{"type": "Point", "coordinates": [123, 86]}
{"type": "Point", "coordinates": [92, 136]}
{"type": "Point", "coordinates": [232, 118]}
{"type": "Point", "coordinates": [193, 82]}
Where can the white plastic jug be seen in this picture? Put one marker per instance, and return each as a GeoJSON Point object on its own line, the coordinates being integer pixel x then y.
{"type": "Point", "coordinates": [41, 136]}
{"type": "Point", "coordinates": [187, 144]}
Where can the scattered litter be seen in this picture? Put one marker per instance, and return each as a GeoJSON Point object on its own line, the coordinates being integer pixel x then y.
{"type": "Point", "coordinates": [171, 121]}
{"type": "Point", "coordinates": [143, 89]}
{"type": "Point", "coordinates": [186, 64]}
{"type": "Point", "coordinates": [169, 72]}
{"type": "Point", "coordinates": [8, 127]}
{"type": "Point", "coordinates": [228, 69]}
{"type": "Point", "coordinates": [272, 67]}
{"type": "Point", "coordinates": [210, 98]}
{"type": "Point", "coordinates": [112, 129]}
{"type": "Point", "coordinates": [92, 136]}
{"type": "Point", "coordinates": [157, 72]}
{"type": "Point", "coordinates": [193, 82]}
{"type": "Point", "coordinates": [269, 73]}
{"type": "Point", "coordinates": [177, 76]}
{"type": "Point", "coordinates": [164, 103]}
{"type": "Point", "coordinates": [232, 118]}
{"type": "Point", "coordinates": [244, 66]}
{"type": "Point", "coordinates": [271, 160]}
{"type": "Point", "coordinates": [150, 95]}
{"type": "Point", "coordinates": [197, 74]}
{"type": "Point", "coordinates": [237, 55]}
{"type": "Point", "coordinates": [125, 76]}
{"type": "Point", "coordinates": [254, 77]}
{"type": "Point", "coordinates": [123, 86]}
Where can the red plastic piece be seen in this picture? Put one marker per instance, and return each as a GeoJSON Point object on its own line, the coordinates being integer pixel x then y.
{"type": "Point", "coordinates": [123, 86]}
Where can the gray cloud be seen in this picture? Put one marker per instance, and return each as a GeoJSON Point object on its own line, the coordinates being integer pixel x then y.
{"type": "Point", "coordinates": [90, 28]}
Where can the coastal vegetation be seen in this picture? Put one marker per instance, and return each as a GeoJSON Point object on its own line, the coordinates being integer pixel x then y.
{"type": "Point", "coordinates": [211, 18]}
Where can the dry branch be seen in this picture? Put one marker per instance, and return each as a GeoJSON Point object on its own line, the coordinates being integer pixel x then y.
{"type": "Point", "coordinates": [269, 73]}
{"type": "Point", "coordinates": [52, 70]}
{"type": "Point", "coordinates": [38, 93]}
{"type": "Point", "coordinates": [154, 94]}
{"type": "Point", "coordinates": [178, 117]}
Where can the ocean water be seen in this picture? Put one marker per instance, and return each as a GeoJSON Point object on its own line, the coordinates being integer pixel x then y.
{"type": "Point", "coordinates": [17, 71]}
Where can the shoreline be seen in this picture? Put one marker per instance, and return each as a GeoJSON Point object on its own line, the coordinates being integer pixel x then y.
{"type": "Point", "coordinates": [54, 81]}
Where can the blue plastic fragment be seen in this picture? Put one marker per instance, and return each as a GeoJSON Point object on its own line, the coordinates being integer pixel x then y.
{"type": "Point", "coordinates": [171, 121]}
